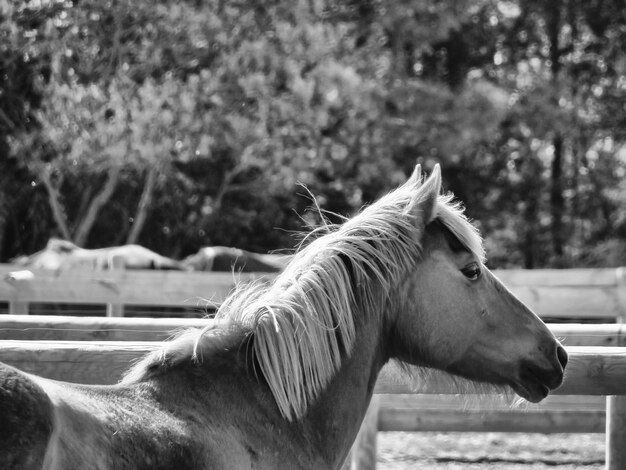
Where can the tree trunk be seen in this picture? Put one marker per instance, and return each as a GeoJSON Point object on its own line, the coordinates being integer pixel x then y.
{"type": "Point", "coordinates": [530, 215]}
{"type": "Point", "coordinates": [553, 25]}
{"type": "Point", "coordinates": [557, 201]}
{"type": "Point", "coordinates": [530, 238]}
{"type": "Point", "coordinates": [4, 215]}
{"type": "Point", "coordinates": [54, 199]}
{"type": "Point", "coordinates": [97, 203]}
{"type": "Point", "coordinates": [145, 203]}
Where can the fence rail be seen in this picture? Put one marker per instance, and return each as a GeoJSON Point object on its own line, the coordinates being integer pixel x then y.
{"type": "Point", "coordinates": [70, 328]}
{"type": "Point", "coordinates": [462, 413]}
{"type": "Point", "coordinates": [194, 293]}
{"type": "Point", "coordinates": [592, 370]}
{"type": "Point", "coordinates": [598, 295]}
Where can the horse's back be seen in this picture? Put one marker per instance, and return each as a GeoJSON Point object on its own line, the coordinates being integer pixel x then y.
{"type": "Point", "coordinates": [26, 420]}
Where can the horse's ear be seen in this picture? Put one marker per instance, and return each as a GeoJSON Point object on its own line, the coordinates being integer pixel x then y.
{"type": "Point", "coordinates": [425, 207]}
{"type": "Point", "coordinates": [416, 177]}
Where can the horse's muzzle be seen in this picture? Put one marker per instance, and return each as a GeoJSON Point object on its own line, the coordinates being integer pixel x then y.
{"type": "Point", "coordinates": [535, 381]}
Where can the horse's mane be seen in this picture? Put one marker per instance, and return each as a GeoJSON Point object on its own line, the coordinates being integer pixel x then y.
{"type": "Point", "coordinates": [304, 321]}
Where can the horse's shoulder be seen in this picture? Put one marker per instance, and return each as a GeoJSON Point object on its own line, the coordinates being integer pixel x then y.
{"type": "Point", "coordinates": [21, 396]}
{"type": "Point", "coordinates": [27, 420]}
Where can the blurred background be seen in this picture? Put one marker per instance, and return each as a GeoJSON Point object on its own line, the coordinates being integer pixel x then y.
{"type": "Point", "coordinates": [182, 124]}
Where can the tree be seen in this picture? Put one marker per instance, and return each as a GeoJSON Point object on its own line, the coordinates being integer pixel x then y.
{"type": "Point", "coordinates": [182, 124]}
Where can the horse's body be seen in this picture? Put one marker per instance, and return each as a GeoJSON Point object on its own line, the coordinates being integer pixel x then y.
{"type": "Point", "coordinates": [225, 258]}
{"type": "Point", "coordinates": [214, 417]}
{"type": "Point", "coordinates": [64, 255]}
{"type": "Point", "coordinates": [284, 380]}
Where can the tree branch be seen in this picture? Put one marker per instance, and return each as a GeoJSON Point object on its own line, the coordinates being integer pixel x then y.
{"type": "Point", "coordinates": [227, 180]}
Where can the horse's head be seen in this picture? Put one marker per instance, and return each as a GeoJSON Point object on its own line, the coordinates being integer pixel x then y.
{"type": "Point", "coordinates": [455, 315]}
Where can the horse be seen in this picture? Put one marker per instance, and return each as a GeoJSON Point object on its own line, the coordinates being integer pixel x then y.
{"type": "Point", "coordinates": [226, 258]}
{"type": "Point", "coordinates": [283, 377]}
{"type": "Point", "coordinates": [64, 255]}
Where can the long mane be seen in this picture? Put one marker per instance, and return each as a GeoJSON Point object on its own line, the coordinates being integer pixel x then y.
{"type": "Point", "coordinates": [303, 323]}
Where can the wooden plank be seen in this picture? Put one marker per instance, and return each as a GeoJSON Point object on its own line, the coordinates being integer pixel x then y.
{"type": "Point", "coordinates": [452, 413]}
{"type": "Point", "coordinates": [590, 334]}
{"type": "Point", "coordinates": [163, 288]}
{"type": "Point", "coordinates": [570, 301]}
{"type": "Point", "coordinates": [65, 328]}
{"type": "Point", "coordinates": [417, 420]}
{"type": "Point", "coordinates": [555, 293]}
{"type": "Point", "coordinates": [90, 362]}
{"type": "Point", "coordinates": [591, 370]}
{"type": "Point", "coordinates": [105, 289]}
{"type": "Point", "coordinates": [472, 402]}
{"type": "Point", "coordinates": [53, 327]}
{"type": "Point", "coordinates": [557, 277]}
{"type": "Point", "coordinates": [510, 277]}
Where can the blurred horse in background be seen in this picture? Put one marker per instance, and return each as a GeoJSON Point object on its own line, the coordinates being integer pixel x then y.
{"type": "Point", "coordinates": [65, 255]}
{"type": "Point", "coordinates": [283, 378]}
{"type": "Point", "coordinates": [224, 258]}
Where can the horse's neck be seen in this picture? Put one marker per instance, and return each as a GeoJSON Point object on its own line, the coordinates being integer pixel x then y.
{"type": "Point", "coordinates": [323, 436]}
{"type": "Point", "coordinates": [335, 417]}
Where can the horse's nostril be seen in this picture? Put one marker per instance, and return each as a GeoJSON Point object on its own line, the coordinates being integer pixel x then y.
{"type": "Point", "coordinates": [561, 354]}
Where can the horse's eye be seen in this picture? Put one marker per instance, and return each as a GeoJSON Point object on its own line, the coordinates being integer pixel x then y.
{"type": "Point", "coordinates": [471, 271]}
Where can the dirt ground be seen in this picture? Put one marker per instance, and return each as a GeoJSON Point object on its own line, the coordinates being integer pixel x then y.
{"type": "Point", "coordinates": [489, 451]}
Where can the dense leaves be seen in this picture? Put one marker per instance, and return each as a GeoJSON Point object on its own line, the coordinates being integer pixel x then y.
{"type": "Point", "coordinates": [183, 124]}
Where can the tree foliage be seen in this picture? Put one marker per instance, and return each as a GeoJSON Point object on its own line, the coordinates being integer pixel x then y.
{"type": "Point", "coordinates": [183, 124]}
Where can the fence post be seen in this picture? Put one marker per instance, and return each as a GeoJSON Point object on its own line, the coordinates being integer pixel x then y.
{"type": "Point", "coordinates": [16, 278]}
{"type": "Point", "coordinates": [616, 432]}
{"type": "Point", "coordinates": [18, 308]}
{"type": "Point", "coordinates": [620, 285]}
{"type": "Point", "coordinates": [616, 404]}
{"type": "Point", "coordinates": [115, 310]}
{"type": "Point", "coordinates": [363, 453]}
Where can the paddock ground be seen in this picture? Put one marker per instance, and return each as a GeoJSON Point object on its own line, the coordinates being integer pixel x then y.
{"type": "Point", "coordinates": [489, 451]}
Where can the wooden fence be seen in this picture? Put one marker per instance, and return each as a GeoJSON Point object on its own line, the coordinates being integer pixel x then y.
{"type": "Point", "coordinates": [98, 350]}
{"type": "Point", "coordinates": [589, 295]}
{"type": "Point", "coordinates": [581, 295]}
{"type": "Point", "coordinates": [591, 371]}
{"type": "Point", "coordinates": [150, 293]}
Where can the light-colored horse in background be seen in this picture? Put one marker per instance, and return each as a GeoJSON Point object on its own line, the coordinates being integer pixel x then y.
{"type": "Point", "coordinates": [60, 255]}
{"type": "Point", "coordinates": [284, 379]}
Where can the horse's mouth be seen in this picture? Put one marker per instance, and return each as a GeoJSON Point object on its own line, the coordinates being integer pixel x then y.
{"type": "Point", "coordinates": [535, 384]}
{"type": "Point", "coordinates": [532, 392]}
